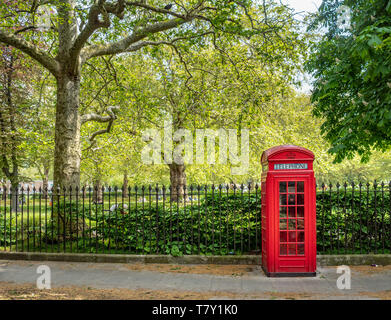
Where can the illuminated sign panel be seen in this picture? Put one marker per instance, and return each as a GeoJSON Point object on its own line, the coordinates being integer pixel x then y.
{"type": "Point", "coordinates": [291, 166]}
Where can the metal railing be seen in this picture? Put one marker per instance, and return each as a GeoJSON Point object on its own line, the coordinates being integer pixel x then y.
{"type": "Point", "coordinates": [354, 218]}
{"type": "Point", "coordinates": [205, 220]}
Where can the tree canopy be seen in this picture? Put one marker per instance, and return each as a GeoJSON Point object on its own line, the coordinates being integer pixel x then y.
{"type": "Point", "coordinates": [91, 76]}
{"type": "Point", "coordinates": [351, 67]}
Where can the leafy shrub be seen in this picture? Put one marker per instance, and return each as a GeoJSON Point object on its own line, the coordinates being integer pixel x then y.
{"type": "Point", "coordinates": [353, 223]}
{"type": "Point", "coordinates": [7, 230]}
{"type": "Point", "coordinates": [223, 225]}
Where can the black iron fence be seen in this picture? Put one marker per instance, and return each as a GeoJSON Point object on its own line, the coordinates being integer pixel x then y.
{"type": "Point", "coordinates": [207, 220]}
{"type": "Point", "coordinates": [354, 218]}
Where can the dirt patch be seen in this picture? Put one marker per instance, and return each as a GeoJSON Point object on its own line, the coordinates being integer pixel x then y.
{"type": "Point", "coordinates": [383, 295]}
{"type": "Point", "coordinates": [11, 291]}
{"type": "Point", "coordinates": [211, 269]}
{"type": "Point", "coordinates": [369, 270]}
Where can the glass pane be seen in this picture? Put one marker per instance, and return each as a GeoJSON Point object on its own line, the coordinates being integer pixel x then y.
{"type": "Point", "coordinates": [291, 212]}
{"type": "Point", "coordinates": [292, 224]}
{"type": "Point", "coordinates": [282, 212]}
{"type": "Point", "coordinates": [292, 236]}
{"type": "Point", "coordinates": [283, 236]}
{"type": "Point", "coordinates": [300, 186]}
{"type": "Point", "coordinates": [300, 236]}
{"type": "Point", "coordinates": [300, 224]}
{"type": "Point", "coordinates": [282, 199]}
{"type": "Point", "coordinates": [292, 249]}
{"type": "Point", "coordinates": [291, 199]}
{"type": "Point", "coordinates": [283, 249]}
{"type": "Point", "coordinates": [282, 187]}
{"type": "Point", "coordinates": [283, 224]}
{"type": "Point", "coordinates": [300, 212]}
{"type": "Point", "coordinates": [300, 199]}
{"type": "Point", "coordinates": [291, 187]}
{"type": "Point", "coordinates": [300, 248]}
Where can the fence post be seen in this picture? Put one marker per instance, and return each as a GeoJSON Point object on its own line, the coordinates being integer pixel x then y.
{"type": "Point", "coordinates": [359, 210]}
{"type": "Point", "coordinates": [331, 218]}
{"type": "Point", "coordinates": [382, 217]}
{"type": "Point", "coordinates": [353, 231]}
{"type": "Point", "coordinates": [323, 218]}
{"type": "Point", "coordinates": [375, 214]}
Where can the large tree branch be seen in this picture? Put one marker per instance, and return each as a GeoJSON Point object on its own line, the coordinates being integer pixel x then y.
{"type": "Point", "coordinates": [44, 59]}
{"type": "Point", "coordinates": [142, 44]}
{"type": "Point", "coordinates": [99, 132]}
{"type": "Point", "coordinates": [94, 22]}
{"type": "Point", "coordinates": [98, 118]}
{"type": "Point", "coordinates": [123, 45]}
{"type": "Point", "coordinates": [95, 117]}
{"type": "Point", "coordinates": [155, 9]}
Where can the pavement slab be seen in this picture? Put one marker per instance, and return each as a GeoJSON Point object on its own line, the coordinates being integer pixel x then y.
{"type": "Point", "coordinates": [366, 283]}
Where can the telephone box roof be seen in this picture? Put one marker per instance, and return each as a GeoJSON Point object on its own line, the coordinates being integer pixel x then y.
{"type": "Point", "coordinates": [272, 152]}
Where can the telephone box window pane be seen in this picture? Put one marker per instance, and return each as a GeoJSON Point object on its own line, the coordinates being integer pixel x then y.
{"type": "Point", "coordinates": [282, 187]}
{"type": "Point", "coordinates": [291, 212]}
{"type": "Point", "coordinates": [283, 250]}
{"type": "Point", "coordinates": [300, 224]}
{"type": "Point", "coordinates": [300, 249]}
{"type": "Point", "coordinates": [292, 236]}
{"type": "Point", "coordinates": [282, 212]}
{"type": "Point", "coordinates": [300, 199]}
{"type": "Point", "coordinates": [300, 212]}
{"type": "Point", "coordinates": [291, 187]}
{"type": "Point", "coordinates": [283, 236]}
{"type": "Point", "coordinates": [282, 199]}
{"type": "Point", "coordinates": [291, 249]}
{"type": "Point", "coordinates": [300, 236]}
{"type": "Point", "coordinates": [283, 224]}
{"type": "Point", "coordinates": [300, 186]}
{"type": "Point", "coordinates": [292, 224]}
{"type": "Point", "coordinates": [291, 200]}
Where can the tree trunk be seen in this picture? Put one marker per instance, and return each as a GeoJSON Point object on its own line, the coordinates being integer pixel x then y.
{"type": "Point", "coordinates": [45, 182]}
{"type": "Point", "coordinates": [15, 196]}
{"type": "Point", "coordinates": [67, 152]}
{"type": "Point", "coordinates": [97, 195]}
{"type": "Point", "coordinates": [4, 194]}
{"type": "Point", "coordinates": [178, 180]}
{"type": "Point", "coordinates": [125, 184]}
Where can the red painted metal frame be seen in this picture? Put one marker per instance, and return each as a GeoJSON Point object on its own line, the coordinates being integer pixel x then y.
{"type": "Point", "coordinates": [273, 262]}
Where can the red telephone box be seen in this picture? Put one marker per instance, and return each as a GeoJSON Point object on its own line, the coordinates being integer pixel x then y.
{"type": "Point", "coordinates": [288, 212]}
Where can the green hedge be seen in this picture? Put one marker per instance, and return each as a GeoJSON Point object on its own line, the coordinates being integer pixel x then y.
{"type": "Point", "coordinates": [226, 224]}
{"type": "Point", "coordinates": [353, 222]}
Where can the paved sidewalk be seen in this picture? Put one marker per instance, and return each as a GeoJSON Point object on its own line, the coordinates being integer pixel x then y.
{"type": "Point", "coordinates": [366, 282]}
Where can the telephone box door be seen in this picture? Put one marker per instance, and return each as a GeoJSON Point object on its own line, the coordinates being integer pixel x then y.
{"type": "Point", "coordinates": [292, 247]}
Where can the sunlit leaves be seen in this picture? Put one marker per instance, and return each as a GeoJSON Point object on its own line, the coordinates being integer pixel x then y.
{"type": "Point", "coordinates": [351, 71]}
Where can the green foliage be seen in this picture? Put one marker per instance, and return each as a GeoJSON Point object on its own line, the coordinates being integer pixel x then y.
{"type": "Point", "coordinates": [351, 68]}
{"type": "Point", "coordinates": [226, 224]}
{"type": "Point", "coordinates": [230, 220]}
{"type": "Point", "coordinates": [7, 230]}
{"type": "Point", "coordinates": [64, 221]}
{"type": "Point", "coordinates": [353, 222]}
